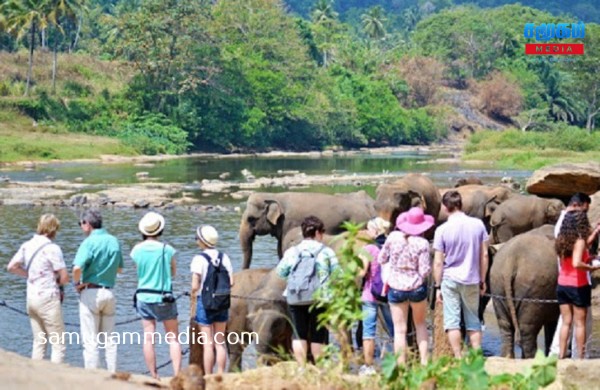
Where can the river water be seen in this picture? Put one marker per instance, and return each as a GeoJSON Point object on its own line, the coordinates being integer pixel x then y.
{"type": "Point", "coordinates": [19, 224]}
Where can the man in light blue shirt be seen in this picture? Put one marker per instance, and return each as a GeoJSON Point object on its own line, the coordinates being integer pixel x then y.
{"type": "Point", "coordinates": [96, 265]}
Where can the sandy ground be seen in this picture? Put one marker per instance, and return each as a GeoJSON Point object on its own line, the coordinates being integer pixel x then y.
{"type": "Point", "coordinates": [19, 372]}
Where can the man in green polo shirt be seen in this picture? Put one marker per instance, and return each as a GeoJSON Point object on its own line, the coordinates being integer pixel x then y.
{"type": "Point", "coordinates": [96, 265]}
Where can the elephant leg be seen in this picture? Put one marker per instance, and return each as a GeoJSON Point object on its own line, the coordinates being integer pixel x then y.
{"type": "Point", "coordinates": [549, 329]}
{"type": "Point", "coordinates": [529, 341]}
{"type": "Point", "coordinates": [506, 328]}
{"type": "Point", "coordinates": [235, 356]}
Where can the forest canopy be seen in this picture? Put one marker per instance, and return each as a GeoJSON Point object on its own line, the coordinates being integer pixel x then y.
{"type": "Point", "coordinates": [300, 75]}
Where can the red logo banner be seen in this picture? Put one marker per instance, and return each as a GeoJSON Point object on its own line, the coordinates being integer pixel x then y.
{"type": "Point", "coordinates": [554, 49]}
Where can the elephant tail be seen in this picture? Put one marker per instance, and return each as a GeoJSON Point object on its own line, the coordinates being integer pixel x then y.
{"type": "Point", "coordinates": [510, 303]}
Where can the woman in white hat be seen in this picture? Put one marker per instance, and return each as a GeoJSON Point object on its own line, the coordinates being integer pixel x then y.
{"type": "Point", "coordinates": [410, 263]}
{"type": "Point", "coordinates": [213, 320]}
{"type": "Point", "coordinates": [154, 301]}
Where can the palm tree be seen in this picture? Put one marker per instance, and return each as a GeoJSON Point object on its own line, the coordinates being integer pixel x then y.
{"type": "Point", "coordinates": [562, 106]}
{"type": "Point", "coordinates": [323, 12]}
{"type": "Point", "coordinates": [60, 10]}
{"type": "Point", "coordinates": [26, 17]}
{"type": "Point", "coordinates": [372, 22]}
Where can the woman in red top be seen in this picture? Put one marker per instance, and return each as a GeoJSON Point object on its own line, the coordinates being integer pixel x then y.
{"type": "Point", "coordinates": [573, 292]}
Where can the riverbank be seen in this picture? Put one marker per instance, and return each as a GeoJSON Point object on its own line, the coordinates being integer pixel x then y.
{"type": "Point", "coordinates": [18, 372]}
{"type": "Point", "coordinates": [453, 149]}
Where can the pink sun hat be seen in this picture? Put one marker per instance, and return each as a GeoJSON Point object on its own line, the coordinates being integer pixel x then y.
{"type": "Point", "coordinates": [414, 221]}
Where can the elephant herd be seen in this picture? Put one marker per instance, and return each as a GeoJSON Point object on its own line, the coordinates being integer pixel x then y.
{"type": "Point", "coordinates": [524, 267]}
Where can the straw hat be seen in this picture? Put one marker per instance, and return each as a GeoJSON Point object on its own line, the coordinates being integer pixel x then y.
{"type": "Point", "coordinates": [414, 221]}
{"type": "Point", "coordinates": [151, 224]}
{"type": "Point", "coordinates": [207, 235]}
{"type": "Point", "coordinates": [377, 226]}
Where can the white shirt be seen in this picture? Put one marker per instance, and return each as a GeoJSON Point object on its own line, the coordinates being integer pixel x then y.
{"type": "Point", "coordinates": [200, 264]}
{"type": "Point", "coordinates": [41, 280]}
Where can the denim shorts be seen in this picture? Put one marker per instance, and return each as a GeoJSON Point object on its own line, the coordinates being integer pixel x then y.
{"type": "Point", "coordinates": [576, 296]}
{"type": "Point", "coordinates": [157, 311]}
{"type": "Point", "coordinates": [204, 317]}
{"type": "Point", "coordinates": [398, 296]}
{"type": "Point", "coordinates": [457, 297]}
{"type": "Point", "coordinates": [369, 310]}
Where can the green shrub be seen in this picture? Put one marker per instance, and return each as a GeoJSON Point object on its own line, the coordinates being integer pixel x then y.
{"type": "Point", "coordinates": [153, 134]}
{"type": "Point", "coordinates": [75, 89]}
{"type": "Point", "coordinates": [466, 373]}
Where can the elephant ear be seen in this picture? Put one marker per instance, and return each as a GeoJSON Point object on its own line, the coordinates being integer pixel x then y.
{"type": "Point", "coordinates": [417, 199]}
{"type": "Point", "coordinates": [274, 211]}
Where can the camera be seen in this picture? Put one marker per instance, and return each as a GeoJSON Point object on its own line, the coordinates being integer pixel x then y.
{"type": "Point", "coordinates": [168, 298]}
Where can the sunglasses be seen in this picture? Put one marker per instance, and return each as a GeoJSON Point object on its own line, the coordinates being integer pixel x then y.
{"type": "Point", "coordinates": [81, 223]}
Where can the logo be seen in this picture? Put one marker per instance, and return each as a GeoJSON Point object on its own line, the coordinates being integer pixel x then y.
{"type": "Point", "coordinates": [545, 32]}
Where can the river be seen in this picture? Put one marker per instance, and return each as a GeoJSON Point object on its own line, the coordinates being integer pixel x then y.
{"type": "Point", "coordinates": [19, 224]}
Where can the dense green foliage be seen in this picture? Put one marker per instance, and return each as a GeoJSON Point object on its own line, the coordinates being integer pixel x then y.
{"type": "Point", "coordinates": [253, 75]}
{"type": "Point", "coordinates": [466, 373]}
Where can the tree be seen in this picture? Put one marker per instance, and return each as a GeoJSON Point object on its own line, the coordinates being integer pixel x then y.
{"type": "Point", "coordinates": [324, 21]}
{"type": "Point", "coordinates": [63, 10]}
{"type": "Point", "coordinates": [372, 22]}
{"type": "Point", "coordinates": [586, 71]}
{"type": "Point", "coordinates": [562, 104]}
{"type": "Point", "coordinates": [24, 17]}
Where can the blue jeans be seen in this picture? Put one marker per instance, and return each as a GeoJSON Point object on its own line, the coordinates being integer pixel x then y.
{"type": "Point", "coordinates": [370, 318]}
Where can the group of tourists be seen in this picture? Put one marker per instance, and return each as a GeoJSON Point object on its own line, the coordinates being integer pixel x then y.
{"type": "Point", "coordinates": [396, 269]}
{"type": "Point", "coordinates": [98, 261]}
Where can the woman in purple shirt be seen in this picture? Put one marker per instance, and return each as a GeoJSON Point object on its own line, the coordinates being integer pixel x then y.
{"type": "Point", "coordinates": [408, 254]}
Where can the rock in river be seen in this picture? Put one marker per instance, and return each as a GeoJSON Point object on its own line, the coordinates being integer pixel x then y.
{"type": "Point", "coordinates": [562, 180]}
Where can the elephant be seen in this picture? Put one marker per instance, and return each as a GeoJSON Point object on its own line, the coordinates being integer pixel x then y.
{"type": "Point", "coordinates": [262, 310]}
{"type": "Point", "coordinates": [409, 191]}
{"type": "Point", "coordinates": [522, 213]}
{"type": "Point", "coordinates": [525, 267]}
{"type": "Point", "coordinates": [478, 201]}
{"type": "Point", "coordinates": [276, 214]}
{"type": "Point", "coordinates": [463, 181]}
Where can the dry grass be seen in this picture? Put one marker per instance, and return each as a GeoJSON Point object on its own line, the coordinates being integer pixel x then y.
{"type": "Point", "coordinates": [79, 68]}
{"type": "Point", "coordinates": [23, 139]}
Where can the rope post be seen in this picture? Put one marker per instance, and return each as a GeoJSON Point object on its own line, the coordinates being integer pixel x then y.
{"type": "Point", "coordinates": [441, 345]}
{"type": "Point", "coordinates": [196, 349]}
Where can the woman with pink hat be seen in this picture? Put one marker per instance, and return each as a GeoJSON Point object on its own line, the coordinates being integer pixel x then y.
{"type": "Point", "coordinates": [410, 264]}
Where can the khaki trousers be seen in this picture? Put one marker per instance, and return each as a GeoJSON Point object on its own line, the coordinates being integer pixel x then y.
{"type": "Point", "coordinates": [47, 325]}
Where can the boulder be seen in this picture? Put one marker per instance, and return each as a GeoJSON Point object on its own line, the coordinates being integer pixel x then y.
{"type": "Point", "coordinates": [594, 212]}
{"type": "Point", "coordinates": [141, 204]}
{"type": "Point", "coordinates": [78, 200]}
{"type": "Point", "coordinates": [563, 180]}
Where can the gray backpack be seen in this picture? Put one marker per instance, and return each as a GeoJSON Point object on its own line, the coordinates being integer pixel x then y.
{"type": "Point", "coordinates": [303, 280]}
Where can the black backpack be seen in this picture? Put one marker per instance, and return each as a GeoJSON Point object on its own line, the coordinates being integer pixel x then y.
{"type": "Point", "coordinates": [216, 290]}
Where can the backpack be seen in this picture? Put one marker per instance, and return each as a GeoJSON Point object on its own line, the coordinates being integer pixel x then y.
{"type": "Point", "coordinates": [216, 290]}
{"type": "Point", "coordinates": [303, 280]}
{"type": "Point", "coordinates": [377, 283]}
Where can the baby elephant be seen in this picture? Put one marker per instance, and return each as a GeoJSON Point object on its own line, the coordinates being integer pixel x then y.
{"type": "Point", "coordinates": [521, 213]}
{"type": "Point", "coordinates": [262, 310]}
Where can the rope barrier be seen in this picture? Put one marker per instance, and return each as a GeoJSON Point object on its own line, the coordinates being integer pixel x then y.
{"type": "Point", "coordinates": [533, 300]}
{"type": "Point", "coordinates": [75, 324]}
{"type": "Point", "coordinates": [249, 298]}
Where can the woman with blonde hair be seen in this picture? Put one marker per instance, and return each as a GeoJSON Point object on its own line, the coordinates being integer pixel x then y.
{"type": "Point", "coordinates": [41, 262]}
{"type": "Point", "coordinates": [573, 292]}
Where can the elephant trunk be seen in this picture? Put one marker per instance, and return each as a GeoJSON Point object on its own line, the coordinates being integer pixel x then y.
{"type": "Point", "coordinates": [246, 240]}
